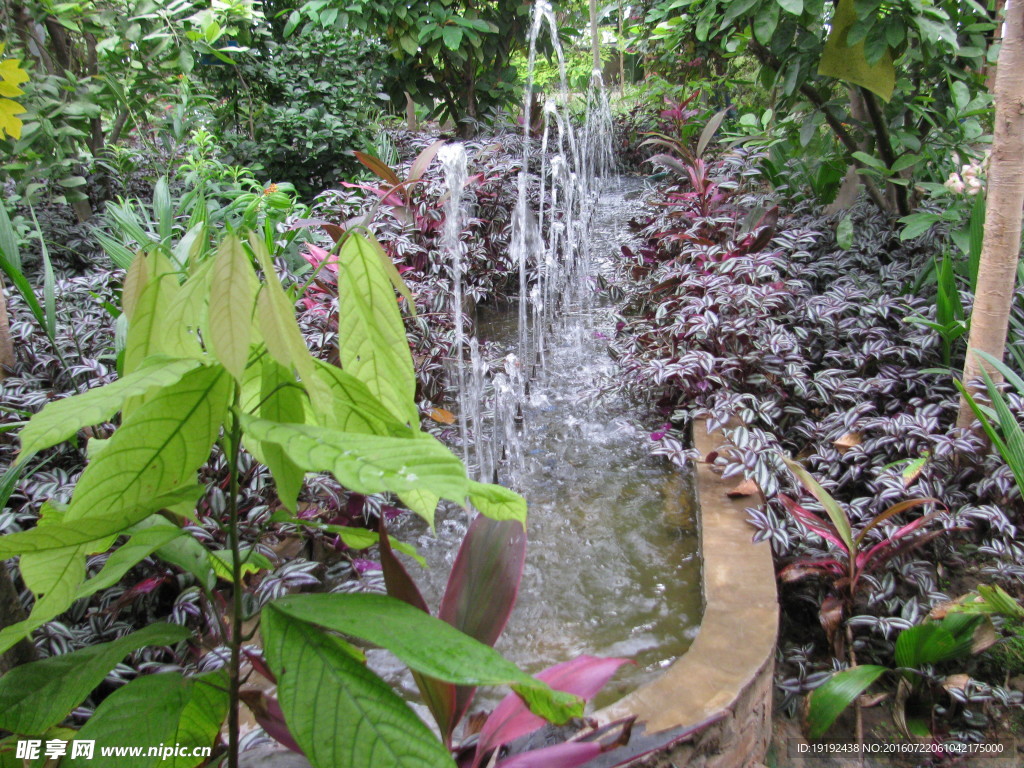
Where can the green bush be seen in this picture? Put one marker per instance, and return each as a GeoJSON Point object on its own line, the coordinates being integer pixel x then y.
{"type": "Point", "coordinates": [299, 108]}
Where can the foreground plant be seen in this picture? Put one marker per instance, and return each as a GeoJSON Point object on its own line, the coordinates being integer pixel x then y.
{"type": "Point", "coordinates": [219, 358]}
{"type": "Point", "coordinates": [855, 558]}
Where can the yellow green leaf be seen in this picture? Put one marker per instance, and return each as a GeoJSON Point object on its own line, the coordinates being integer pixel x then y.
{"type": "Point", "coordinates": [849, 62]}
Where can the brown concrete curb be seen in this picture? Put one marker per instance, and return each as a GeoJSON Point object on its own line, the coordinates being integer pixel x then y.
{"type": "Point", "coordinates": [728, 669]}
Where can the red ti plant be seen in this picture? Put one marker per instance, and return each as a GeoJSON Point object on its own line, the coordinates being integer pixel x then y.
{"type": "Point", "coordinates": [853, 558]}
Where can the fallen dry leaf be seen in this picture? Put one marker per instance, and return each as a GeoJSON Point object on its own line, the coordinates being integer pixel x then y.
{"type": "Point", "coordinates": [847, 441]}
{"type": "Point", "coordinates": [441, 416]}
{"type": "Point", "coordinates": [746, 488]}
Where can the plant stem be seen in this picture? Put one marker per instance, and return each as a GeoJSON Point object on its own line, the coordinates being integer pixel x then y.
{"type": "Point", "coordinates": [235, 639]}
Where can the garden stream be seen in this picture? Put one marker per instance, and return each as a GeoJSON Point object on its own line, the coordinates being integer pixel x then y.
{"type": "Point", "coordinates": [612, 565]}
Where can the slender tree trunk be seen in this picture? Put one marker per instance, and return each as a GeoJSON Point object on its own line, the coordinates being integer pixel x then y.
{"type": "Point", "coordinates": [595, 40]}
{"type": "Point", "coordinates": [997, 272]}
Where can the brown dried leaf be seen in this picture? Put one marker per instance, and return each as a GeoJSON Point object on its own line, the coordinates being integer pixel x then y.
{"type": "Point", "coordinates": [441, 416]}
{"type": "Point", "coordinates": [956, 682]}
{"type": "Point", "coordinates": [847, 441]}
{"type": "Point", "coordinates": [746, 488]}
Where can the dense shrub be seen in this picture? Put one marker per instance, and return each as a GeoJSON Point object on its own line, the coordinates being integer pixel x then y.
{"type": "Point", "coordinates": [729, 315]}
{"type": "Point", "coordinates": [299, 108]}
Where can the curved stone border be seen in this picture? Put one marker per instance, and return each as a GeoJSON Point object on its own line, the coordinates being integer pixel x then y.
{"type": "Point", "coordinates": [727, 672]}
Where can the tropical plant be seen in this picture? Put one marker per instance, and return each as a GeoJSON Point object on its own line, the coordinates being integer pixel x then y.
{"type": "Point", "coordinates": [856, 557]}
{"type": "Point", "coordinates": [219, 358]}
{"type": "Point", "coordinates": [954, 637]}
{"type": "Point", "coordinates": [455, 56]}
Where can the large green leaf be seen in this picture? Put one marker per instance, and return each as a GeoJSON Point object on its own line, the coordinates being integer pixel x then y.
{"type": "Point", "coordinates": [356, 409]}
{"type": "Point", "coordinates": [828, 701]}
{"type": "Point", "coordinates": [339, 712]}
{"type": "Point", "coordinates": [281, 401]}
{"type": "Point", "coordinates": [367, 463]}
{"type": "Point", "coordinates": [426, 645]}
{"type": "Point", "coordinates": [154, 710]}
{"type": "Point", "coordinates": [158, 448]}
{"type": "Point", "coordinates": [932, 642]}
{"type": "Point", "coordinates": [141, 545]}
{"type": "Point", "coordinates": [60, 419]}
{"type": "Point", "coordinates": [149, 333]}
{"type": "Point", "coordinates": [371, 335]}
{"type": "Point", "coordinates": [285, 344]}
{"type": "Point", "coordinates": [497, 502]}
{"type": "Point", "coordinates": [232, 298]}
{"type": "Point", "coordinates": [849, 62]}
{"type": "Point", "coordinates": [35, 696]}
{"type": "Point", "coordinates": [93, 528]}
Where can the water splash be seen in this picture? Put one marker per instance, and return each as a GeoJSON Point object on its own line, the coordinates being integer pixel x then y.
{"type": "Point", "coordinates": [453, 161]}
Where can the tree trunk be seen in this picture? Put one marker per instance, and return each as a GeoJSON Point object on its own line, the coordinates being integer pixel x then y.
{"type": "Point", "coordinates": [997, 272]}
{"type": "Point", "coordinates": [595, 40]}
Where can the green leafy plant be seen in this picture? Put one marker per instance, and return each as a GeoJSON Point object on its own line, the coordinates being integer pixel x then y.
{"type": "Point", "coordinates": [929, 643]}
{"type": "Point", "coordinates": [219, 358]}
{"type": "Point", "coordinates": [855, 555]}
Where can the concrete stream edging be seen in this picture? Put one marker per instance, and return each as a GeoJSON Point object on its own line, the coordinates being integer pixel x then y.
{"type": "Point", "coordinates": [726, 675]}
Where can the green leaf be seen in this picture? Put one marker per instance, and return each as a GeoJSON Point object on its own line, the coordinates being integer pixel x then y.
{"type": "Point", "coordinates": [149, 333]}
{"type": "Point", "coordinates": [90, 529]}
{"type": "Point", "coordinates": [367, 463]}
{"type": "Point", "coordinates": [60, 419]}
{"type": "Point", "coordinates": [934, 642]}
{"type": "Point", "coordinates": [496, 502]}
{"type": "Point", "coordinates": [141, 545]}
{"type": "Point", "coordinates": [158, 448]}
{"type": "Point", "coordinates": [232, 298]}
{"type": "Point", "coordinates": [355, 407]}
{"type": "Point", "coordinates": [765, 23]}
{"type": "Point", "coordinates": [35, 696]}
{"type": "Point", "coordinates": [154, 710]}
{"type": "Point", "coordinates": [844, 233]}
{"type": "Point", "coordinates": [828, 701]}
{"type": "Point", "coordinates": [916, 224]}
{"type": "Point", "coordinates": [284, 340]}
{"type": "Point", "coordinates": [426, 645]}
{"type": "Point", "coordinates": [9, 240]}
{"type": "Point", "coordinates": [339, 712]}
{"type": "Point", "coordinates": [906, 161]}
{"type": "Point", "coordinates": [869, 160]}
{"type": "Point", "coordinates": [371, 335]}
{"type": "Point", "coordinates": [452, 37]}
{"type": "Point", "coordinates": [849, 62]}
{"type": "Point", "coordinates": [796, 7]}
{"type": "Point", "coordinates": [252, 562]}
{"type": "Point", "coordinates": [281, 402]}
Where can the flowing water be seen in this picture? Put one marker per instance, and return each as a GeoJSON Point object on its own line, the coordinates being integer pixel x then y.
{"type": "Point", "coordinates": [612, 565]}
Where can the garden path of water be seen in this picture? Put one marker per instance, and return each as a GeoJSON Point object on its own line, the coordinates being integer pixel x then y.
{"type": "Point", "coordinates": [612, 565]}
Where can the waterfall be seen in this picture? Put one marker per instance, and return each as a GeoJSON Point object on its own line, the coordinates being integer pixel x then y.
{"type": "Point", "coordinates": [550, 246]}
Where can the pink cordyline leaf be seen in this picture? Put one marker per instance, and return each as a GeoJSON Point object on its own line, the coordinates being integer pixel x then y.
{"type": "Point", "coordinates": [568, 755]}
{"type": "Point", "coordinates": [812, 521]}
{"type": "Point", "coordinates": [583, 676]}
{"type": "Point", "coordinates": [895, 539]}
{"type": "Point", "coordinates": [267, 712]}
{"type": "Point", "coordinates": [317, 256]}
{"type": "Point", "coordinates": [483, 586]}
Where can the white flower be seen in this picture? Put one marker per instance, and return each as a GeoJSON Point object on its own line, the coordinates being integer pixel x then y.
{"type": "Point", "coordinates": [954, 184]}
{"type": "Point", "coordinates": [974, 186]}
